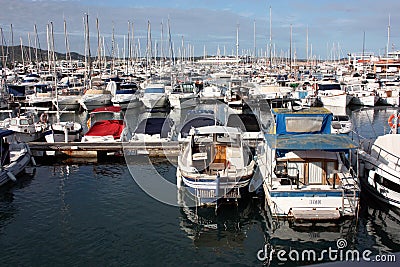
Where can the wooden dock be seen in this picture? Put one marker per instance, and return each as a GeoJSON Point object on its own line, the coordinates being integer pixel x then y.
{"type": "Point", "coordinates": [78, 149]}
{"type": "Point", "coordinates": [92, 150]}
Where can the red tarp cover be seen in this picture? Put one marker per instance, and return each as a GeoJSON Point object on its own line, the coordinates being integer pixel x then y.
{"type": "Point", "coordinates": [106, 109]}
{"type": "Point", "coordinates": [106, 127]}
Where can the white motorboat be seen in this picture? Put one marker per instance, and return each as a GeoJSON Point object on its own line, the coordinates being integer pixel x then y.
{"type": "Point", "coordinates": [27, 127]}
{"type": "Point", "coordinates": [42, 97]}
{"type": "Point", "coordinates": [124, 94]}
{"type": "Point", "coordinates": [379, 162]}
{"type": "Point", "coordinates": [331, 94]}
{"type": "Point", "coordinates": [195, 119]}
{"type": "Point", "coordinates": [341, 124]}
{"type": "Point", "coordinates": [306, 169]}
{"type": "Point", "coordinates": [215, 165]}
{"type": "Point", "coordinates": [105, 125]}
{"type": "Point", "coordinates": [64, 131]}
{"type": "Point", "coordinates": [361, 96]}
{"type": "Point", "coordinates": [251, 128]}
{"type": "Point", "coordinates": [14, 157]}
{"type": "Point", "coordinates": [211, 92]}
{"type": "Point", "coordinates": [183, 95]}
{"type": "Point", "coordinates": [154, 96]}
{"type": "Point", "coordinates": [153, 129]}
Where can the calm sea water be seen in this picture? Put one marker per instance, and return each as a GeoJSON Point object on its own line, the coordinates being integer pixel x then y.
{"type": "Point", "coordinates": [95, 214]}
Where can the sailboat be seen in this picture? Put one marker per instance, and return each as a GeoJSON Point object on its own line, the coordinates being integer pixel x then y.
{"type": "Point", "coordinates": [62, 131]}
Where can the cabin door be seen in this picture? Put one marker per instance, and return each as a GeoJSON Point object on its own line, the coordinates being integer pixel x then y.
{"type": "Point", "coordinates": [220, 155]}
{"type": "Point", "coordinates": [315, 173]}
{"type": "Point", "coordinates": [295, 168]}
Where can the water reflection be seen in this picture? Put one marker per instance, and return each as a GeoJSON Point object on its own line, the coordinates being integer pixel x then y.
{"type": "Point", "coordinates": [379, 225]}
{"type": "Point", "coordinates": [207, 227]}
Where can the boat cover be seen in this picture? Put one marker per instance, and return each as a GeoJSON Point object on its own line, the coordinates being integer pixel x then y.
{"type": "Point", "coordinates": [107, 127]}
{"type": "Point", "coordinates": [197, 122]}
{"type": "Point", "coordinates": [325, 142]}
{"type": "Point", "coordinates": [106, 109]}
{"type": "Point", "coordinates": [305, 121]}
{"type": "Point", "coordinates": [153, 126]}
{"type": "Point", "coordinates": [246, 122]}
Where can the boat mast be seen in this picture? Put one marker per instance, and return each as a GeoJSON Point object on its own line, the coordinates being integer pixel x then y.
{"type": "Point", "coordinates": [363, 51]}
{"type": "Point", "coordinates": [55, 71]}
{"type": "Point", "coordinates": [3, 65]}
{"type": "Point", "coordinates": [3, 56]}
{"type": "Point", "coordinates": [37, 45]}
{"type": "Point", "coordinates": [387, 48]}
{"type": "Point", "coordinates": [290, 49]}
{"type": "Point", "coordinates": [29, 49]}
{"type": "Point", "coordinates": [112, 49]}
{"type": "Point", "coordinates": [161, 46]}
{"type": "Point", "coordinates": [87, 50]}
{"type": "Point", "coordinates": [22, 53]}
{"type": "Point", "coordinates": [307, 46]}
{"type": "Point", "coordinates": [12, 47]}
{"type": "Point", "coordinates": [237, 47]}
{"type": "Point", "coordinates": [270, 37]}
{"type": "Point", "coordinates": [98, 44]}
{"type": "Point", "coordinates": [254, 41]}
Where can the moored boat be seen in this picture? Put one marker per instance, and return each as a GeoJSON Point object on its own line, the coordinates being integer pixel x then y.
{"type": "Point", "coordinates": [306, 169]}
{"type": "Point", "coordinates": [379, 165]}
{"type": "Point", "coordinates": [215, 165]}
{"type": "Point", "coordinates": [14, 157]}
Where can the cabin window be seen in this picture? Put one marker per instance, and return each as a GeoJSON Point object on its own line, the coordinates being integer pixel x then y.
{"type": "Point", "coordinates": [303, 124]}
{"type": "Point", "coordinates": [24, 122]}
{"type": "Point", "coordinates": [13, 122]}
{"type": "Point", "coordinates": [295, 168]}
{"type": "Point", "coordinates": [154, 90]}
{"type": "Point", "coordinates": [330, 170]}
{"type": "Point", "coordinates": [281, 169]}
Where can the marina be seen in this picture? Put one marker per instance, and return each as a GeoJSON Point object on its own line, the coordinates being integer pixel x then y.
{"type": "Point", "coordinates": [141, 151]}
{"type": "Point", "coordinates": [275, 171]}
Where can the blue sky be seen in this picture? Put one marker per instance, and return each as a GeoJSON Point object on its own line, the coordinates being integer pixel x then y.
{"type": "Point", "coordinates": [335, 27]}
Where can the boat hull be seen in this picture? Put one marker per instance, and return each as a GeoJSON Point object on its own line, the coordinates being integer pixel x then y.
{"type": "Point", "coordinates": [17, 165]}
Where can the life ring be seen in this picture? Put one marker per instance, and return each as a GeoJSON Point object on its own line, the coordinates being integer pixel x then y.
{"type": "Point", "coordinates": [390, 121]}
{"type": "Point", "coordinates": [43, 118]}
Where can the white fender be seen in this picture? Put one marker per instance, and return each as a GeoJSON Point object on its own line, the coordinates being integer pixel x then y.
{"type": "Point", "coordinates": [11, 176]}
{"type": "Point", "coordinates": [33, 161]}
{"type": "Point", "coordinates": [178, 179]}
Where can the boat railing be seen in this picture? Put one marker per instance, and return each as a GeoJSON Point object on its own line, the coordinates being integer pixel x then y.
{"type": "Point", "coordinates": [350, 188]}
{"type": "Point", "coordinates": [367, 145]}
{"type": "Point", "coordinates": [380, 151]}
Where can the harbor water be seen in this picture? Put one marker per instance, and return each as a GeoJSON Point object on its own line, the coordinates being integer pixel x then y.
{"type": "Point", "coordinates": [63, 213]}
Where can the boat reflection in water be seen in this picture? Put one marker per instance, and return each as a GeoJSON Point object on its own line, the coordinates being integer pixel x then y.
{"type": "Point", "coordinates": [383, 221]}
{"type": "Point", "coordinates": [210, 227]}
{"type": "Point", "coordinates": [293, 243]}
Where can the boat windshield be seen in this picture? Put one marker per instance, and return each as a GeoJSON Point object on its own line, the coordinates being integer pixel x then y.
{"type": "Point", "coordinates": [331, 86]}
{"type": "Point", "coordinates": [154, 91]}
{"type": "Point", "coordinates": [25, 121]}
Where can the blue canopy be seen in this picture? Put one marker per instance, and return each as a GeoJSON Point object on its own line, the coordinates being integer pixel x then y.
{"type": "Point", "coordinates": [305, 121]}
{"type": "Point", "coordinates": [325, 142]}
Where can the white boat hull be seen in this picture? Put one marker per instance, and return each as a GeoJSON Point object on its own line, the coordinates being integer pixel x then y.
{"type": "Point", "coordinates": [20, 158]}
{"type": "Point", "coordinates": [91, 102]}
{"type": "Point", "coordinates": [341, 100]}
{"type": "Point", "coordinates": [151, 101]}
{"type": "Point", "coordinates": [365, 100]}
{"type": "Point", "coordinates": [182, 101]}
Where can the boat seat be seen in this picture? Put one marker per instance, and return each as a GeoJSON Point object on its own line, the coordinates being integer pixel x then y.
{"type": "Point", "coordinates": [216, 167]}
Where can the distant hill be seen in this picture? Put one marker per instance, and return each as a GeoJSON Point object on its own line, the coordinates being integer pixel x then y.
{"type": "Point", "coordinates": [15, 52]}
